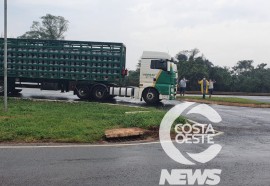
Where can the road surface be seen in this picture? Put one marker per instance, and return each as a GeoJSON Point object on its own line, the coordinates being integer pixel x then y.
{"type": "Point", "coordinates": [256, 98]}
{"type": "Point", "coordinates": [244, 158]}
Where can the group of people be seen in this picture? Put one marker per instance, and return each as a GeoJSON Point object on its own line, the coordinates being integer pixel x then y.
{"type": "Point", "coordinates": [206, 86]}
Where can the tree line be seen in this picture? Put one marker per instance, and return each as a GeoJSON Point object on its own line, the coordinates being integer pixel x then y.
{"type": "Point", "coordinates": [243, 77]}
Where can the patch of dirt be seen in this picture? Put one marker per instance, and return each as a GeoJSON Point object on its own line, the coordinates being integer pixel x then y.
{"type": "Point", "coordinates": [124, 132]}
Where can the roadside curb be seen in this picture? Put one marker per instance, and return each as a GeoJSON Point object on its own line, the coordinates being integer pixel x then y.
{"type": "Point", "coordinates": [226, 103]}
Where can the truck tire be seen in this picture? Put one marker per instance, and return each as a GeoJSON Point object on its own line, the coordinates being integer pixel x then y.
{"type": "Point", "coordinates": [150, 96]}
{"type": "Point", "coordinates": [1, 87]}
{"type": "Point", "coordinates": [83, 92]}
{"type": "Point", "coordinates": [100, 93]}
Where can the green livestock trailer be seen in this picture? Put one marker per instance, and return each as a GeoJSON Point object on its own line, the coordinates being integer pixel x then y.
{"type": "Point", "coordinates": [88, 68]}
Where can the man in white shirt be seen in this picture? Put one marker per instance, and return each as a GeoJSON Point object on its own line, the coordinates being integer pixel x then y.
{"type": "Point", "coordinates": [211, 87]}
{"type": "Point", "coordinates": [183, 85]}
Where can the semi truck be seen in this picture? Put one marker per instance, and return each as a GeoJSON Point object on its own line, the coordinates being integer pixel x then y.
{"type": "Point", "coordinates": [92, 70]}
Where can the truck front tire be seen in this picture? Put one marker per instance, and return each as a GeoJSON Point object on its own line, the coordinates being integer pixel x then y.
{"type": "Point", "coordinates": [150, 96]}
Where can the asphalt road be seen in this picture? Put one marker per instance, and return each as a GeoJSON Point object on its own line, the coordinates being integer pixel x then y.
{"type": "Point", "coordinates": [244, 158]}
{"type": "Point", "coordinates": [256, 98]}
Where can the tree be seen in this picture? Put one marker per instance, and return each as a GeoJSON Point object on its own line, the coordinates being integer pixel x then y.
{"type": "Point", "coordinates": [223, 77]}
{"type": "Point", "coordinates": [261, 66]}
{"type": "Point", "coordinates": [51, 27]}
{"type": "Point", "coordinates": [181, 57]}
{"type": "Point", "coordinates": [133, 78]}
{"type": "Point", "coordinates": [193, 53]}
{"type": "Point", "coordinates": [187, 55]}
{"type": "Point", "coordinates": [243, 66]}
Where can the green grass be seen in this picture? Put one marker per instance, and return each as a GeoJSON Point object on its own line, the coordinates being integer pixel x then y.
{"type": "Point", "coordinates": [225, 99]}
{"type": "Point", "coordinates": [84, 122]}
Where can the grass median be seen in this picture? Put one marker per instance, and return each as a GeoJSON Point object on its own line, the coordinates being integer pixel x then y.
{"type": "Point", "coordinates": [81, 122]}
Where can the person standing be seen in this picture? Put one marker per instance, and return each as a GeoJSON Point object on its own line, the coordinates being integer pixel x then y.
{"type": "Point", "coordinates": [204, 86]}
{"type": "Point", "coordinates": [211, 87]}
{"type": "Point", "coordinates": [183, 85]}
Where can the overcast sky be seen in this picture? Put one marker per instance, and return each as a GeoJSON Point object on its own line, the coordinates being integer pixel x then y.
{"type": "Point", "coordinates": [225, 31]}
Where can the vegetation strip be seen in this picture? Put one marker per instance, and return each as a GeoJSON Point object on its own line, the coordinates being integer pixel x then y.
{"type": "Point", "coordinates": [30, 121]}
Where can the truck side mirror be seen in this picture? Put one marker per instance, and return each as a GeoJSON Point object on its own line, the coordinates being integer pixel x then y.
{"type": "Point", "coordinates": [168, 66]}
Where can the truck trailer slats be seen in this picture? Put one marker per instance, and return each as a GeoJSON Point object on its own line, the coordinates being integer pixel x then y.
{"type": "Point", "coordinates": [55, 59]}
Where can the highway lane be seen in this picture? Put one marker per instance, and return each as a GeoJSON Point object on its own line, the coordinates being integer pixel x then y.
{"type": "Point", "coordinates": [244, 158]}
{"type": "Point", "coordinates": [256, 98]}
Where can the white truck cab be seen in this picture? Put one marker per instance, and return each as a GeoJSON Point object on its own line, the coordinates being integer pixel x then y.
{"type": "Point", "coordinates": [158, 79]}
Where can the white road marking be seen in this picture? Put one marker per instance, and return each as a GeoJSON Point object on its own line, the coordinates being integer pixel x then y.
{"type": "Point", "coordinates": [73, 146]}
{"type": "Point", "coordinates": [86, 146]}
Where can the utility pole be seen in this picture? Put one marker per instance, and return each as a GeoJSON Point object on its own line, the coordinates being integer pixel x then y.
{"type": "Point", "coordinates": [5, 56]}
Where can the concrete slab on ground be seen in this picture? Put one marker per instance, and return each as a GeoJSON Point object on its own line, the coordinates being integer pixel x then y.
{"type": "Point", "coordinates": [124, 132]}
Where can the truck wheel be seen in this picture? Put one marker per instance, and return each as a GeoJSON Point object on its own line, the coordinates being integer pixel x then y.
{"type": "Point", "coordinates": [99, 93]}
{"type": "Point", "coordinates": [83, 92]}
{"type": "Point", "coordinates": [1, 87]}
{"type": "Point", "coordinates": [150, 96]}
